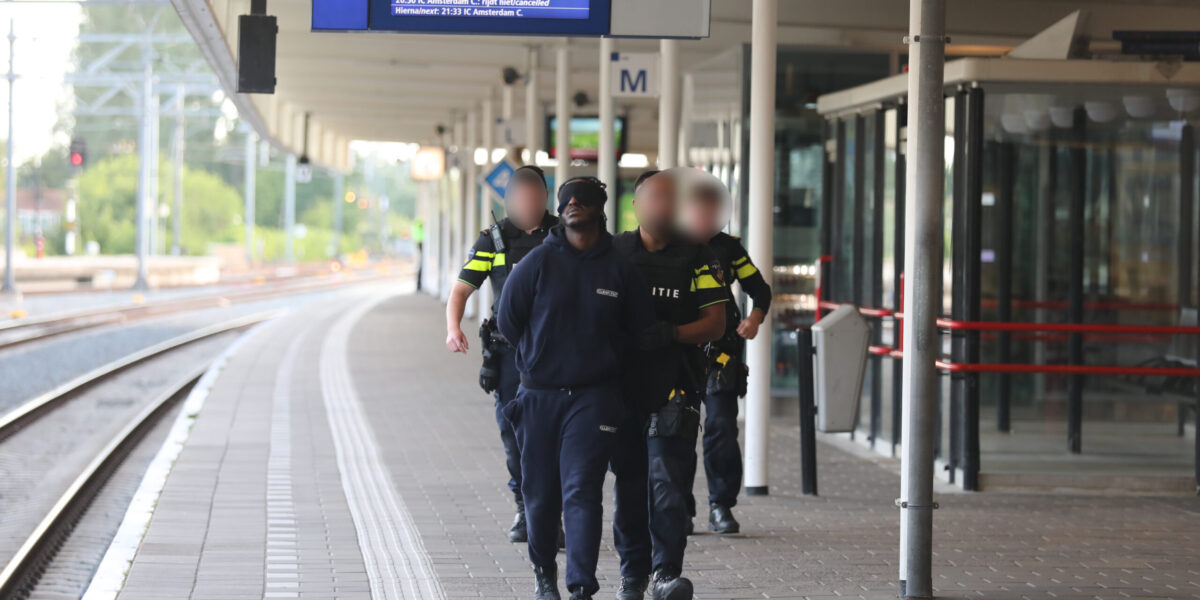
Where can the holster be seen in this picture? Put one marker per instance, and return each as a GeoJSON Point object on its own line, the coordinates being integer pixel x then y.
{"type": "Point", "coordinates": [489, 372]}
{"type": "Point", "coordinates": [727, 372]}
{"type": "Point", "coordinates": [677, 418]}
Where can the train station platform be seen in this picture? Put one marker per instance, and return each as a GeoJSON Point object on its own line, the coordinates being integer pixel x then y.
{"type": "Point", "coordinates": [341, 452]}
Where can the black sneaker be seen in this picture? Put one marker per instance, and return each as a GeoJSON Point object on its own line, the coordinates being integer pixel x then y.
{"type": "Point", "coordinates": [517, 533]}
{"type": "Point", "coordinates": [545, 583]}
{"type": "Point", "coordinates": [633, 588]}
{"type": "Point", "coordinates": [720, 520]}
{"type": "Point", "coordinates": [668, 586]}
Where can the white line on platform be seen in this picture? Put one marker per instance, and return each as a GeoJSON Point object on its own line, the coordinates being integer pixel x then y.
{"type": "Point", "coordinates": [110, 575]}
{"type": "Point", "coordinates": [398, 566]}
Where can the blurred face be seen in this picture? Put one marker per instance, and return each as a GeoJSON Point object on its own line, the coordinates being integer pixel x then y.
{"type": "Point", "coordinates": [703, 216]}
{"type": "Point", "coordinates": [654, 204]}
{"type": "Point", "coordinates": [526, 203]}
{"type": "Point", "coordinates": [580, 215]}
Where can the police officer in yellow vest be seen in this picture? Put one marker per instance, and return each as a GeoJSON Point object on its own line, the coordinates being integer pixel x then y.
{"type": "Point", "coordinates": [497, 250]}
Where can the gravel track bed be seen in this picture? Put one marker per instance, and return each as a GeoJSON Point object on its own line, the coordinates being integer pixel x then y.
{"type": "Point", "coordinates": [39, 462]}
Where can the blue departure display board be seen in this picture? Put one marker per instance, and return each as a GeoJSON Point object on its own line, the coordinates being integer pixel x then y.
{"type": "Point", "coordinates": [492, 9]}
{"type": "Point", "coordinates": [514, 17]}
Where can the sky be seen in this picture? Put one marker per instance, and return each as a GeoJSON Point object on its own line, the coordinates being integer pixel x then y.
{"type": "Point", "coordinates": [45, 38]}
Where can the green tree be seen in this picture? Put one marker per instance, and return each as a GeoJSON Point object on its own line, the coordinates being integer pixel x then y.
{"type": "Point", "coordinates": [107, 210]}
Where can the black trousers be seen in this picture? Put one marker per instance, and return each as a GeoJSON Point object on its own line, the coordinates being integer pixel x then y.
{"type": "Point", "coordinates": [506, 392]}
{"type": "Point", "coordinates": [722, 454]}
{"type": "Point", "coordinates": [631, 513]}
{"type": "Point", "coordinates": [566, 438]}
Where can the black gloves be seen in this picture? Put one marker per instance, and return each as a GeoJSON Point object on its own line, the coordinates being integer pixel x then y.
{"type": "Point", "coordinates": [658, 336]}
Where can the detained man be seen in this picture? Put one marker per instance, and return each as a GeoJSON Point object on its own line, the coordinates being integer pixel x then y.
{"type": "Point", "coordinates": [573, 308]}
{"type": "Point", "coordinates": [498, 249]}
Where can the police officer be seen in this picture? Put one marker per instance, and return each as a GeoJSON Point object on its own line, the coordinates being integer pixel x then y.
{"type": "Point", "coordinates": [492, 258]}
{"type": "Point", "coordinates": [706, 214]}
{"type": "Point", "coordinates": [686, 285]}
{"type": "Point", "coordinates": [574, 308]}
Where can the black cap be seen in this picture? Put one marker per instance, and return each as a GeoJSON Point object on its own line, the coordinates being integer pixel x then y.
{"type": "Point", "coordinates": [587, 190]}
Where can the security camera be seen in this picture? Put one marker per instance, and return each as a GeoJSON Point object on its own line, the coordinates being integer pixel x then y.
{"type": "Point", "coordinates": [510, 75]}
{"type": "Point", "coordinates": [580, 98]}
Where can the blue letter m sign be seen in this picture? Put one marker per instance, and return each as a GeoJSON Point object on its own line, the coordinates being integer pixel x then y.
{"type": "Point", "coordinates": [629, 83]}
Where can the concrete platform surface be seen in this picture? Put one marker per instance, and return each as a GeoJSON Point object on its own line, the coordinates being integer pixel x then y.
{"type": "Point", "coordinates": [343, 453]}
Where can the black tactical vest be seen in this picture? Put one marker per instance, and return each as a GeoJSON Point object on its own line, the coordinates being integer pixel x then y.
{"type": "Point", "coordinates": [517, 244]}
{"type": "Point", "coordinates": [670, 272]}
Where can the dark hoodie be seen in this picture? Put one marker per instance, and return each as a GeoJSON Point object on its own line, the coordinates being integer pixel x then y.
{"type": "Point", "coordinates": [573, 316]}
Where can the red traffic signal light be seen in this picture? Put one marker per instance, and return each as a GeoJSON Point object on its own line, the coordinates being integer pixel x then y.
{"type": "Point", "coordinates": [78, 153]}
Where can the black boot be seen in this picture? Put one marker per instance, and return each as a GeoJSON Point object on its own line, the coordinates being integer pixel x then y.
{"type": "Point", "coordinates": [517, 533]}
{"type": "Point", "coordinates": [633, 588]}
{"type": "Point", "coordinates": [670, 586]}
{"type": "Point", "coordinates": [545, 583]}
{"type": "Point", "coordinates": [720, 519]}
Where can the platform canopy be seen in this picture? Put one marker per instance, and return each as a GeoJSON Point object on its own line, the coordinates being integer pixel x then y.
{"type": "Point", "coordinates": [398, 87]}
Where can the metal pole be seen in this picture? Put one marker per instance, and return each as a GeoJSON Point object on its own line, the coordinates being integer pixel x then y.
{"type": "Point", "coordinates": [829, 154]}
{"type": "Point", "coordinates": [668, 104]}
{"type": "Point", "coordinates": [972, 282]}
{"type": "Point", "coordinates": [289, 208]}
{"type": "Point", "coordinates": [177, 195]}
{"type": "Point", "coordinates": [858, 231]}
{"type": "Point", "coordinates": [1075, 236]}
{"type": "Point", "coordinates": [144, 158]}
{"type": "Point", "coordinates": [533, 117]}
{"type": "Point", "coordinates": [506, 104]}
{"type": "Point", "coordinates": [606, 158]}
{"type": "Point", "coordinates": [251, 170]}
{"type": "Point", "coordinates": [960, 383]}
{"type": "Point", "coordinates": [1004, 274]}
{"type": "Point", "coordinates": [10, 191]}
{"type": "Point", "coordinates": [154, 244]}
{"type": "Point", "coordinates": [339, 201]}
{"type": "Point", "coordinates": [760, 235]}
{"type": "Point", "coordinates": [470, 200]}
{"type": "Point", "coordinates": [683, 121]}
{"type": "Point", "coordinates": [562, 114]}
{"type": "Point", "coordinates": [1187, 174]}
{"type": "Point", "coordinates": [457, 197]}
{"type": "Point", "coordinates": [485, 195]}
{"type": "Point", "coordinates": [923, 299]}
{"type": "Point", "coordinates": [836, 286]}
{"type": "Point", "coordinates": [901, 170]}
{"type": "Point", "coordinates": [446, 219]}
{"type": "Point", "coordinates": [808, 427]}
{"type": "Point", "coordinates": [876, 295]}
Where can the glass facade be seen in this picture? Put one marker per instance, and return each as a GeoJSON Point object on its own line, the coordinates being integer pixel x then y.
{"type": "Point", "coordinates": [1057, 210]}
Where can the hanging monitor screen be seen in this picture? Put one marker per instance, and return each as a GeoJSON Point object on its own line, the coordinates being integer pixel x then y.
{"type": "Point", "coordinates": [585, 137]}
{"type": "Point", "coordinates": [525, 17]}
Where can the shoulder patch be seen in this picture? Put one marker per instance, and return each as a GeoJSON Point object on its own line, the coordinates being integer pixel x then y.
{"type": "Point", "coordinates": [717, 272]}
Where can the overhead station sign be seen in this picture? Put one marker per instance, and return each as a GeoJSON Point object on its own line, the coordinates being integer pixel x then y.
{"type": "Point", "coordinates": [616, 18]}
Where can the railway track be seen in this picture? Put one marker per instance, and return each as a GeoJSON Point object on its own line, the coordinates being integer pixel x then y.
{"type": "Point", "coordinates": [21, 331]}
{"type": "Point", "coordinates": [20, 575]}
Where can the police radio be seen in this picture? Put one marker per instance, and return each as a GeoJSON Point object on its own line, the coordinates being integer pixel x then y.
{"type": "Point", "coordinates": [494, 233]}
